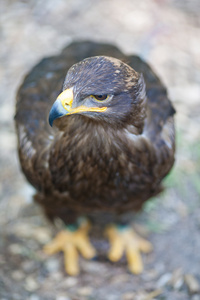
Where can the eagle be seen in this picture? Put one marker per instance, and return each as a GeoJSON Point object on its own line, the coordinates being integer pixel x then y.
{"type": "Point", "coordinates": [96, 137]}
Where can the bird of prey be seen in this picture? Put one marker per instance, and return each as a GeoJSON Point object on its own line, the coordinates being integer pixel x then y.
{"type": "Point", "coordinates": [95, 138]}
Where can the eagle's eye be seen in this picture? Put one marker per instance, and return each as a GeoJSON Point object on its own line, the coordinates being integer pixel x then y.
{"type": "Point", "coordinates": [100, 97]}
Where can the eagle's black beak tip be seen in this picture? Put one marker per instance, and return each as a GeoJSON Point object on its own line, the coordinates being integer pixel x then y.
{"type": "Point", "coordinates": [51, 120]}
{"type": "Point", "coordinates": [57, 111]}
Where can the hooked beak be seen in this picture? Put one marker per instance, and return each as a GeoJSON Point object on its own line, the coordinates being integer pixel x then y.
{"type": "Point", "coordinates": [63, 106]}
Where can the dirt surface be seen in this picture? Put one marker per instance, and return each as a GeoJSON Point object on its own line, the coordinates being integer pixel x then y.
{"type": "Point", "coordinates": [166, 34]}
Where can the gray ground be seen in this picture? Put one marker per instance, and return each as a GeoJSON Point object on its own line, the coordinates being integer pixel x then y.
{"type": "Point", "coordinates": [165, 33]}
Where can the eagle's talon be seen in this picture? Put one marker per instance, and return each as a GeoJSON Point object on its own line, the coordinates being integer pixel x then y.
{"type": "Point", "coordinates": [128, 242]}
{"type": "Point", "coordinates": [70, 242]}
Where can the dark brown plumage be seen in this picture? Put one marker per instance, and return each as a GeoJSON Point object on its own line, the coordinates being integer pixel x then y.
{"type": "Point", "coordinates": [109, 161]}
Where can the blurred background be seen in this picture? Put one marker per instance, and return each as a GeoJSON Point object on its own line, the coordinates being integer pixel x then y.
{"type": "Point", "coordinates": [165, 33]}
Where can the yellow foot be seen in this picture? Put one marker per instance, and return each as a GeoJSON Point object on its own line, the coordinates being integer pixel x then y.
{"type": "Point", "coordinates": [70, 242]}
{"type": "Point", "coordinates": [126, 240]}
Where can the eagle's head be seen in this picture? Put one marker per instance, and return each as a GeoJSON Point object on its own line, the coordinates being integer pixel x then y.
{"type": "Point", "coordinates": [103, 89]}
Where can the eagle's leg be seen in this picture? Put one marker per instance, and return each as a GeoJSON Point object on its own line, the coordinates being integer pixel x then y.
{"type": "Point", "coordinates": [70, 241]}
{"type": "Point", "coordinates": [123, 239]}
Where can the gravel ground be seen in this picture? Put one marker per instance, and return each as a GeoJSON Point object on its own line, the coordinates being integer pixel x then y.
{"type": "Point", "coordinates": [166, 34]}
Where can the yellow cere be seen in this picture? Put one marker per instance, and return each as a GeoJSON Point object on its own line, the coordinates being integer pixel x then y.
{"type": "Point", "coordinates": [66, 98]}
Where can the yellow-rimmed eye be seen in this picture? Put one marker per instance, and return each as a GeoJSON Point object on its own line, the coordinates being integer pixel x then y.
{"type": "Point", "coordinates": [100, 97]}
